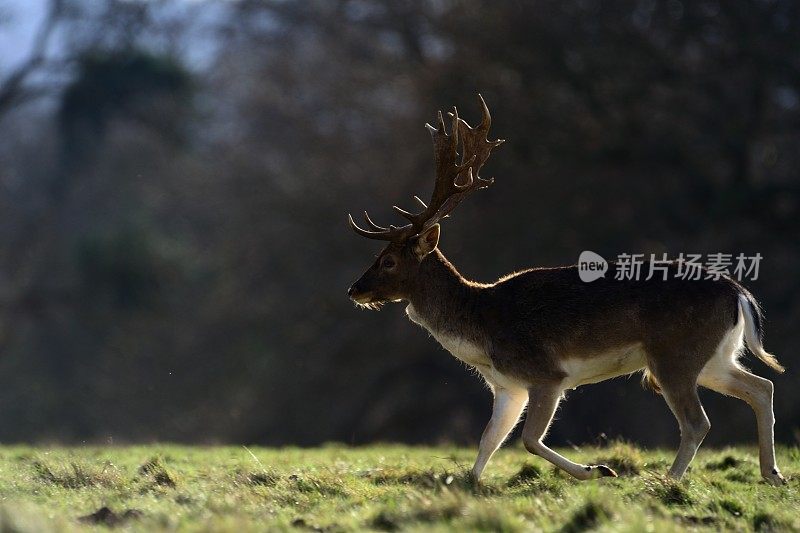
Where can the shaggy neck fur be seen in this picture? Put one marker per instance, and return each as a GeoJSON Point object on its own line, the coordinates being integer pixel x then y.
{"type": "Point", "coordinates": [442, 300]}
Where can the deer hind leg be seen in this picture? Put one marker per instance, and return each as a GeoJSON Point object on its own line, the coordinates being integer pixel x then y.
{"type": "Point", "coordinates": [542, 404]}
{"type": "Point", "coordinates": [732, 380]}
{"type": "Point", "coordinates": [723, 374]}
{"type": "Point", "coordinates": [508, 405]}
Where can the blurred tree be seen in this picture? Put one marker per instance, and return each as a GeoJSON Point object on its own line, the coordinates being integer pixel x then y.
{"type": "Point", "coordinates": [174, 255]}
{"type": "Point", "coordinates": [136, 85]}
{"type": "Point", "coordinates": [14, 86]}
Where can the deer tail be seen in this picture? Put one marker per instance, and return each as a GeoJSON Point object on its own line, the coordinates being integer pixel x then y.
{"type": "Point", "coordinates": [754, 331]}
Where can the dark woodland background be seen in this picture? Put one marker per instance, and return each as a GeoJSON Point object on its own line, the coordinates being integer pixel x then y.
{"type": "Point", "coordinates": [175, 178]}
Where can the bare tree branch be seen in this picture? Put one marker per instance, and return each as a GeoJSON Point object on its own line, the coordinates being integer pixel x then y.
{"type": "Point", "coordinates": [12, 87]}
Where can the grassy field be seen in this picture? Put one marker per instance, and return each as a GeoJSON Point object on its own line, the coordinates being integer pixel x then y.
{"type": "Point", "coordinates": [384, 488]}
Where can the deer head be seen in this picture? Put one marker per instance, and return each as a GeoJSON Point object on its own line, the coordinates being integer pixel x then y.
{"type": "Point", "coordinates": [458, 158]}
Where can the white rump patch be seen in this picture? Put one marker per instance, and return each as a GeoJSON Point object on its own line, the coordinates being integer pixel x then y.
{"type": "Point", "coordinates": [726, 357]}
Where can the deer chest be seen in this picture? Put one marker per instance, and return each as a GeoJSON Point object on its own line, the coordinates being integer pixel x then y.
{"type": "Point", "coordinates": [461, 348]}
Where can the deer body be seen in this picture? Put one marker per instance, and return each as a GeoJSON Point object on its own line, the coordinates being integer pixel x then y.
{"type": "Point", "coordinates": [546, 324]}
{"type": "Point", "coordinates": [534, 334]}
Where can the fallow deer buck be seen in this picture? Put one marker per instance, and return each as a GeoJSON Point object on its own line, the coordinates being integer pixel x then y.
{"type": "Point", "coordinates": [536, 333]}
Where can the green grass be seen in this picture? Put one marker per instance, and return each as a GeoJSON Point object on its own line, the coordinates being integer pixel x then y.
{"type": "Point", "coordinates": [384, 488]}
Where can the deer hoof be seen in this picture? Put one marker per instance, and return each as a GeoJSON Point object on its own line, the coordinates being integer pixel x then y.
{"type": "Point", "coordinates": [604, 471]}
{"type": "Point", "coordinates": [774, 478]}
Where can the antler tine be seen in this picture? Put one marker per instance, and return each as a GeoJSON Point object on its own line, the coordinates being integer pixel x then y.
{"type": "Point", "coordinates": [466, 165]}
{"type": "Point", "coordinates": [373, 225]}
{"type": "Point", "coordinates": [486, 121]}
{"type": "Point", "coordinates": [361, 231]}
{"type": "Point", "coordinates": [391, 233]}
{"type": "Point", "coordinates": [406, 214]}
{"type": "Point", "coordinates": [486, 118]}
{"type": "Point", "coordinates": [440, 122]}
{"type": "Point", "coordinates": [454, 128]}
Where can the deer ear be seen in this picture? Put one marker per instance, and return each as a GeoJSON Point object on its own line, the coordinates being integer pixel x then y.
{"type": "Point", "coordinates": [427, 241]}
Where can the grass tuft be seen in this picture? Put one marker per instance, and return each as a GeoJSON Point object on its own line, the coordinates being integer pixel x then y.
{"type": "Point", "coordinates": [531, 480]}
{"type": "Point", "coordinates": [424, 479]}
{"type": "Point", "coordinates": [768, 522]}
{"type": "Point", "coordinates": [256, 479]}
{"type": "Point", "coordinates": [105, 516]}
{"type": "Point", "coordinates": [726, 463]}
{"type": "Point", "coordinates": [308, 484]}
{"type": "Point", "coordinates": [525, 475]}
{"type": "Point", "coordinates": [385, 521]}
{"type": "Point", "coordinates": [693, 520]}
{"type": "Point", "coordinates": [155, 470]}
{"type": "Point", "coordinates": [77, 475]}
{"type": "Point", "coordinates": [728, 505]}
{"type": "Point", "coordinates": [588, 516]}
{"type": "Point", "coordinates": [624, 458]}
{"type": "Point", "coordinates": [494, 519]}
{"type": "Point", "coordinates": [668, 490]}
{"type": "Point", "coordinates": [428, 512]}
{"type": "Point", "coordinates": [741, 476]}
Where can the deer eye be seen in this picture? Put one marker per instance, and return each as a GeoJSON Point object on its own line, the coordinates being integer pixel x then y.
{"type": "Point", "coordinates": [388, 263]}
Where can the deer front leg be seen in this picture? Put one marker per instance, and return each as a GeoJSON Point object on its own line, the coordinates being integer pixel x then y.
{"type": "Point", "coordinates": [508, 405]}
{"type": "Point", "coordinates": [542, 404]}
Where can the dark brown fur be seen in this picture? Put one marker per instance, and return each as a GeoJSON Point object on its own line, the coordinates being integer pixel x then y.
{"type": "Point", "coordinates": [531, 320]}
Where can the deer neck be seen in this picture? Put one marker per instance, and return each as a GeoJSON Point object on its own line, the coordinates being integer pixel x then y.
{"type": "Point", "coordinates": [442, 301]}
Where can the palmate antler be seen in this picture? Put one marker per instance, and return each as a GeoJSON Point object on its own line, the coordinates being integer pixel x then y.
{"type": "Point", "coordinates": [448, 190]}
